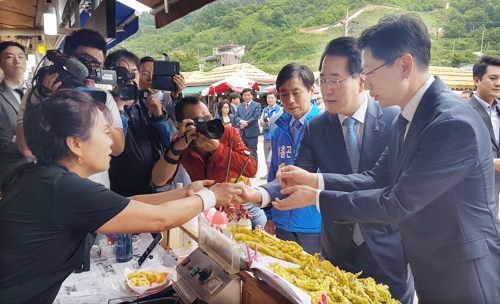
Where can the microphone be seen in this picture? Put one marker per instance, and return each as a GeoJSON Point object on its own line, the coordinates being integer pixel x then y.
{"type": "Point", "coordinates": [69, 64]}
{"type": "Point", "coordinates": [76, 68]}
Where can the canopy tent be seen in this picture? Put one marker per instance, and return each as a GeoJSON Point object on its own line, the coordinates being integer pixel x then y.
{"type": "Point", "coordinates": [272, 88]}
{"type": "Point", "coordinates": [233, 83]}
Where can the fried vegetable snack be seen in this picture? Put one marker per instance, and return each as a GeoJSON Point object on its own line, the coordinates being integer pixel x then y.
{"type": "Point", "coordinates": [314, 276]}
{"type": "Point", "coordinates": [146, 278]}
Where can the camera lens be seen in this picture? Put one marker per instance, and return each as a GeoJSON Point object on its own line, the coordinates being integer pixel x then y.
{"type": "Point", "coordinates": [215, 129]}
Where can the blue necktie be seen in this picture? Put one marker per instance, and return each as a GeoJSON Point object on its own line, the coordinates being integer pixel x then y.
{"type": "Point", "coordinates": [296, 125]}
{"type": "Point", "coordinates": [351, 143]}
{"type": "Point", "coordinates": [352, 147]}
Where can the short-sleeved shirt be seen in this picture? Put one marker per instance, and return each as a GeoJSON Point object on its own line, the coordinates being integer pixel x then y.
{"type": "Point", "coordinates": [43, 230]}
{"type": "Point", "coordinates": [101, 177]}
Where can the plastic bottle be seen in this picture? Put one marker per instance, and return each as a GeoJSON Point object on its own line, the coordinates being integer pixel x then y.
{"type": "Point", "coordinates": [219, 220]}
{"type": "Point", "coordinates": [245, 218]}
{"type": "Point", "coordinates": [123, 247]}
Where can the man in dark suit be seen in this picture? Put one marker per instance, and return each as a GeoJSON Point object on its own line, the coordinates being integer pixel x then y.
{"type": "Point", "coordinates": [12, 88]}
{"type": "Point", "coordinates": [374, 249]}
{"type": "Point", "coordinates": [247, 118]}
{"type": "Point", "coordinates": [435, 178]}
{"type": "Point", "coordinates": [486, 75]}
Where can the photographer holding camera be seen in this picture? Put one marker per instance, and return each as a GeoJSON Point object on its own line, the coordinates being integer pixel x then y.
{"type": "Point", "coordinates": [90, 45]}
{"type": "Point", "coordinates": [202, 147]}
{"type": "Point", "coordinates": [147, 132]}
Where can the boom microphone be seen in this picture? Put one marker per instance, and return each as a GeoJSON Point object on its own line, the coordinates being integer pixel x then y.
{"type": "Point", "coordinates": [69, 64]}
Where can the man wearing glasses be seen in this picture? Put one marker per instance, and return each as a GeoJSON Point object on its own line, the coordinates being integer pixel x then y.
{"type": "Point", "coordinates": [147, 132]}
{"type": "Point", "coordinates": [349, 138]}
{"type": "Point", "coordinates": [435, 179]}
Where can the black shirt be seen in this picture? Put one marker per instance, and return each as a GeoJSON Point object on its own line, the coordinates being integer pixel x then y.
{"type": "Point", "coordinates": [130, 172]}
{"type": "Point", "coordinates": [44, 223]}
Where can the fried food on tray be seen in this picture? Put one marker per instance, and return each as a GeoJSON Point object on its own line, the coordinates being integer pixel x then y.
{"type": "Point", "coordinates": [146, 278]}
{"type": "Point", "coordinates": [314, 276]}
{"type": "Point", "coordinates": [339, 286]}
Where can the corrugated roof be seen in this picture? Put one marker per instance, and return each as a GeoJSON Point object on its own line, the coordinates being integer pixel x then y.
{"type": "Point", "coordinates": [454, 78]}
{"type": "Point", "coordinates": [244, 70]}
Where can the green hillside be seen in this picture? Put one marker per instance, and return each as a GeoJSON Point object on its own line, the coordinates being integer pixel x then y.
{"type": "Point", "coordinates": [277, 32]}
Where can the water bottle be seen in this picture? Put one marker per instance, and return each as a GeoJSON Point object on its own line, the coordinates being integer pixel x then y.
{"type": "Point", "coordinates": [123, 247]}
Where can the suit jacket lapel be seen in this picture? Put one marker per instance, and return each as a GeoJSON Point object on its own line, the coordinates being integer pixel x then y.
{"type": "Point", "coordinates": [8, 96]}
{"type": "Point", "coordinates": [373, 129]}
{"type": "Point", "coordinates": [486, 118]}
{"type": "Point", "coordinates": [335, 142]}
{"type": "Point", "coordinates": [420, 119]}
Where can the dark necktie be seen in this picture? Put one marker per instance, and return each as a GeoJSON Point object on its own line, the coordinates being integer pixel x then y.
{"type": "Point", "coordinates": [246, 107]}
{"type": "Point", "coordinates": [402, 122]}
{"type": "Point", "coordinates": [352, 147]}
{"type": "Point", "coordinates": [20, 92]}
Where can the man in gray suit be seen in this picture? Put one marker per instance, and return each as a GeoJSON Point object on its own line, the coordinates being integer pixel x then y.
{"type": "Point", "coordinates": [374, 249]}
{"type": "Point", "coordinates": [12, 88]}
{"type": "Point", "coordinates": [486, 75]}
{"type": "Point", "coordinates": [247, 118]}
{"type": "Point", "coordinates": [435, 179]}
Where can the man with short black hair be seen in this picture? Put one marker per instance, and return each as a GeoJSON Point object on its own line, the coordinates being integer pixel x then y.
{"type": "Point", "coordinates": [435, 178]}
{"type": "Point", "coordinates": [235, 101]}
{"type": "Point", "coordinates": [486, 73]}
{"type": "Point", "coordinates": [202, 156]}
{"type": "Point", "coordinates": [12, 88]}
{"type": "Point", "coordinates": [91, 43]}
{"type": "Point", "coordinates": [147, 134]}
{"type": "Point", "coordinates": [466, 95]}
{"type": "Point", "coordinates": [166, 99]}
{"type": "Point", "coordinates": [247, 118]}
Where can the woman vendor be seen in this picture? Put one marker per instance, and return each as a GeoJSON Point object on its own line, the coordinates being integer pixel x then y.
{"type": "Point", "coordinates": [48, 208]}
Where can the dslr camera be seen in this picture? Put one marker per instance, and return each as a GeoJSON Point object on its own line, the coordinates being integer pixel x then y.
{"type": "Point", "coordinates": [212, 129]}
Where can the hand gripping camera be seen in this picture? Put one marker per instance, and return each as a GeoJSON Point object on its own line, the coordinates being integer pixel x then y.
{"type": "Point", "coordinates": [210, 128]}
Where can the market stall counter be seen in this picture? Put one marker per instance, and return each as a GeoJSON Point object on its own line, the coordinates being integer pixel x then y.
{"type": "Point", "coordinates": [106, 282]}
{"type": "Point", "coordinates": [198, 279]}
{"type": "Point", "coordinates": [221, 262]}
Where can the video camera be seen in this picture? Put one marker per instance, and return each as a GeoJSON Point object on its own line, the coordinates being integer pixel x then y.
{"type": "Point", "coordinates": [210, 128]}
{"type": "Point", "coordinates": [71, 70]}
{"type": "Point", "coordinates": [124, 89]}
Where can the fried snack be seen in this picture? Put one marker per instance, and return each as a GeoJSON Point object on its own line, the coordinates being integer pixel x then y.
{"type": "Point", "coordinates": [146, 278]}
{"type": "Point", "coordinates": [314, 276]}
{"type": "Point", "coordinates": [242, 179]}
{"type": "Point", "coordinates": [339, 286]}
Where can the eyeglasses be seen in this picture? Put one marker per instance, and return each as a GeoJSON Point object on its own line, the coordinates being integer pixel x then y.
{"type": "Point", "coordinates": [330, 82]}
{"type": "Point", "coordinates": [145, 74]}
{"type": "Point", "coordinates": [369, 74]}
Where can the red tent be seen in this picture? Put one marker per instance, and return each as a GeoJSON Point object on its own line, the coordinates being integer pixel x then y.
{"type": "Point", "coordinates": [233, 83]}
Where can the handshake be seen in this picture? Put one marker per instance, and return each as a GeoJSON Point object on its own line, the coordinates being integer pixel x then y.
{"type": "Point", "coordinates": [298, 185]}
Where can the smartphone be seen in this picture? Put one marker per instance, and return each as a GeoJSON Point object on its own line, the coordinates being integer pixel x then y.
{"type": "Point", "coordinates": [165, 83]}
{"type": "Point", "coordinates": [157, 237]}
{"type": "Point", "coordinates": [143, 94]}
{"type": "Point", "coordinates": [163, 75]}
